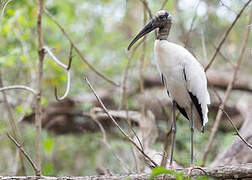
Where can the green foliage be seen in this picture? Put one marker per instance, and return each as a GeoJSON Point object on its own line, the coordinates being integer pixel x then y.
{"type": "Point", "coordinates": [161, 170]}
{"type": "Point", "coordinates": [178, 175]}
{"type": "Point", "coordinates": [48, 169]}
{"type": "Point", "coordinates": [101, 29]}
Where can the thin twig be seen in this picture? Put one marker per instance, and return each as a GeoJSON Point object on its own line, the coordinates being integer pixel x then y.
{"type": "Point", "coordinates": [163, 5]}
{"type": "Point", "coordinates": [226, 34]}
{"type": "Point", "coordinates": [3, 9]}
{"type": "Point", "coordinates": [224, 58]}
{"type": "Point", "coordinates": [125, 75]}
{"type": "Point", "coordinates": [78, 51]}
{"type": "Point", "coordinates": [14, 128]}
{"type": "Point", "coordinates": [54, 58]}
{"type": "Point", "coordinates": [67, 89]}
{"type": "Point", "coordinates": [70, 57]}
{"type": "Point", "coordinates": [203, 43]}
{"type": "Point", "coordinates": [226, 6]}
{"type": "Point", "coordinates": [66, 67]}
{"type": "Point", "coordinates": [191, 26]}
{"type": "Point", "coordinates": [145, 3]}
{"type": "Point", "coordinates": [105, 141]}
{"type": "Point", "coordinates": [35, 168]}
{"type": "Point", "coordinates": [237, 131]}
{"type": "Point", "coordinates": [117, 125]}
{"type": "Point", "coordinates": [227, 94]}
{"type": "Point", "coordinates": [19, 87]}
{"type": "Point", "coordinates": [124, 100]}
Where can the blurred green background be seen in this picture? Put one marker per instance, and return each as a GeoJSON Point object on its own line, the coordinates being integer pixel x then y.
{"type": "Point", "coordinates": [102, 30]}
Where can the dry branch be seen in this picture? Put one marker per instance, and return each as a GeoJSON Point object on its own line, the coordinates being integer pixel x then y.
{"type": "Point", "coordinates": [222, 172]}
{"type": "Point", "coordinates": [226, 34]}
{"type": "Point", "coordinates": [36, 170]}
{"type": "Point", "coordinates": [240, 150]}
{"type": "Point", "coordinates": [78, 51]}
{"type": "Point", "coordinates": [227, 94]}
{"type": "Point", "coordinates": [21, 87]}
{"type": "Point", "coordinates": [118, 126]}
{"type": "Point", "coordinates": [38, 107]}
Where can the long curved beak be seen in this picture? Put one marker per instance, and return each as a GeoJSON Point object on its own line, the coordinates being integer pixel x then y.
{"type": "Point", "coordinates": [147, 28]}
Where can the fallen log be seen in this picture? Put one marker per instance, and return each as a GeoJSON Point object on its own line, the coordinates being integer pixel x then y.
{"type": "Point", "coordinates": [222, 172]}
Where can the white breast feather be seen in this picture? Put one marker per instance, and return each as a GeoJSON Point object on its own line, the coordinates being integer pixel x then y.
{"type": "Point", "coordinates": [170, 55]}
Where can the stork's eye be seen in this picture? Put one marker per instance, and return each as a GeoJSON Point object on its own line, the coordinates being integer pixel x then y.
{"type": "Point", "coordinates": [162, 17]}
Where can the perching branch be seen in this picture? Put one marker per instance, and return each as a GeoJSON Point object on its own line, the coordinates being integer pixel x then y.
{"type": "Point", "coordinates": [78, 51]}
{"type": "Point", "coordinates": [226, 34]}
{"type": "Point", "coordinates": [19, 146]}
{"type": "Point", "coordinates": [239, 171]}
{"type": "Point", "coordinates": [118, 126]}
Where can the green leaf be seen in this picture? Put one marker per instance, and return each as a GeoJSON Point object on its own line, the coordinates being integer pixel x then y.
{"type": "Point", "coordinates": [48, 169]}
{"type": "Point", "coordinates": [161, 170]}
{"type": "Point", "coordinates": [48, 145]}
{"type": "Point", "coordinates": [19, 109]}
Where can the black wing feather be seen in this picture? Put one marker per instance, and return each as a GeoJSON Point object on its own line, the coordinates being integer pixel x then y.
{"type": "Point", "coordinates": [196, 103]}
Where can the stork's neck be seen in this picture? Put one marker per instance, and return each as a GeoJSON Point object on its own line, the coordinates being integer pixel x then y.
{"type": "Point", "coordinates": [163, 32]}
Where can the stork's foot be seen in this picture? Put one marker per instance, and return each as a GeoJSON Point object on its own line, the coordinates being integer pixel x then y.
{"type": "Point", "coordinates": [171, 167]}
{"type": "Point", "coordinates": [192, 167]}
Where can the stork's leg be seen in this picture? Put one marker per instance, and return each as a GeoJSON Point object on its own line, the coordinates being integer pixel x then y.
{"type": "Point", "coordinates": [192, 131]}
{"type": "Point", "coordinates": [174, 129]}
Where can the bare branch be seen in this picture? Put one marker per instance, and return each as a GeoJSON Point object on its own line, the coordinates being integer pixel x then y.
{"type": "Point", "coordinates": [236, 130]}
{"type": "Point", "coordinates": [70, 58]}
{"type": "Point", "coordinates": [105, 141]}
{"type": "Point", "coordinates": [224, 58]}
{"type": "Point", "coordinates": [36, 170]}
{"type": "Point", "coordinates": [38, 107]}
{"type": "Point", "coordinates": [4, 7]}
{"type": "Point", "coordinates": [123, 95]}
{"type": "Point", "coordinates": [66, 67]}
{"type": "Point", "coordinates": [145, 3]}
{"type": "Point", "coordinates": [19, 87]}
{"type": "Point", "coordinates": [14, 128]}
{"type": "Point", "coordinates": [226, 34]}
{"type": "Point", "coordinates": [163, 5]}
{"type": "Point", "coordinates": [54, 58]}
{"type": "Point", "coordinates": [118, 126]}
{"type": "Point", "coordinates": [191, 26]}
{"type": "Point", "coordinates": [67, 89]}
{"type": "Point", "coordinates": [227, 94]}
{"type": "Point", "coordinates": [78, 51]}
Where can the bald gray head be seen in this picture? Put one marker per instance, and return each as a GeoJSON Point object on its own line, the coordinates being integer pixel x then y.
{"type": "Point", "coordinates": [162, 21]}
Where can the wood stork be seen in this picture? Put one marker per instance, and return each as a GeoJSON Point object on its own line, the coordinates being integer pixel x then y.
{"type": "Point", "coordinates": [182, 75]}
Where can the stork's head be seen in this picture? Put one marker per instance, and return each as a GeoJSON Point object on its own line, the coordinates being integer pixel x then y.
{"type": "Point", "coordinates": [162, 21]}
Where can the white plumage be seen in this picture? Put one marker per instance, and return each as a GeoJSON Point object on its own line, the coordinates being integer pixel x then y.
{"type": "Point", "coordinates": [182, 75]}
{"type": "Point", "coordinates": [173, 61]}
